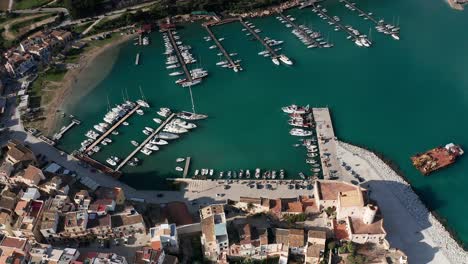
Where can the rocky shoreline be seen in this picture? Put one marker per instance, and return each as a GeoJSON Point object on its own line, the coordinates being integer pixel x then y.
{"type": "Point", "coordinates": [410, 200]}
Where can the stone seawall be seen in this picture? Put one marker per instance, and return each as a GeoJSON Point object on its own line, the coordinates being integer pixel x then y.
{"type": "Point", "coordinates": [411, 201]}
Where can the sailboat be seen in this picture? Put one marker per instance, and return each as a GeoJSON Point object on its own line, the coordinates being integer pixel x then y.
{"type": "Point", "coordinates": [142, 102]}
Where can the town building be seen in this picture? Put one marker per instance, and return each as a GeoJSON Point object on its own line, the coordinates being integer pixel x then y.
{"type": "Point", "coordinates": [214, 239]}
{"type": "Point", "coordinates": [164, 236]}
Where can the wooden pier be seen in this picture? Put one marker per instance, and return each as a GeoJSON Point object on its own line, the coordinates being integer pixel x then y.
{"type": "Point", "coordinates": [187, 166]}
{"type": "Point", "coordinates": [137, 59]}
{"type": "Point", "coordinates": [139, 147]}
{"type": "Point", "coordinates": [336, 23]}
{"type": "Point", "coordinates": [103, 136]}
{"type": "Point", "coordinates": [64, 129]}
{"type": "Point", "coordinates": [181, 60]}
{"type": "Point", "coordinates": [303, 33]}
{"type": "Point", "coordinates": [234, 66]}
{"type": "Point", "coordinates": [270, 50]}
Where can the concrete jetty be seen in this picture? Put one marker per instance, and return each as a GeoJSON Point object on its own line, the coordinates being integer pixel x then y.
{"type": "Point", "coordinates": [296, 27]}
{"type": "Point", "coordinates": [187, 166]}
{"type": "Point", "coordinates": [236, 67]}
{"type": "Point", "coordinates": [116, 125]}
{"type": "Point", "coordinates": [327, 143]}
{"type": "Point", "coordinates": [64, 129]}
{"type": "Point", "coordinates": [181, 60]}
{"type": "Point", "coordinates": [270, 50]}
{"type": "Point", "coordinates": [137, 59]}
{"type": "Point", "coordinates": [156, 131]}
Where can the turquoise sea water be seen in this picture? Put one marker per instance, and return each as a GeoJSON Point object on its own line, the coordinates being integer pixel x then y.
{"type": "Point", "coordinates": [398, 97]}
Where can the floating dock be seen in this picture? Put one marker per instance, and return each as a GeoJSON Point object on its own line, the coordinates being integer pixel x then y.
{"type": "Point", "coordinates": [234, 66]}
{"type": "Point", "coordinates": [156, 131]}
{"type": "Point", "coordinates": [336, 23]}
{"type": "Point", "coordinates": [116, 125]}
{"type": "Point", "coordinates": [187, 166]}
{"type": "Point", "coordinates": [327, 142]}
{"type": "Point", "coordinates": [64, 129]}
{"type": "Point", "coordinates": [137, 59]}
{"type": "Point", "coordinates": [181, 60]}
{"type": "Point", "coordinates": [296, 27]}
{"type": "Point", "coordinates": [270, 50]}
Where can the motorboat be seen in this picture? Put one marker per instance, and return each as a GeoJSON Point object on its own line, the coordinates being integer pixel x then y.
{"type": "Point", "coordinates": [140, 112]}
{"type": "Point", "coordinates": [146, 151]}
{"type": "Point", "coordinates": [149, 129]}
{"type": "Point", "coordinates": [174, 129]}
{"type": "Point", "coordinates": [275, 61]}
{"type": "Point", "coordinates": [179, 169]}
{"type": "Point", "coordinates": [247, 174]}
{"type": "Point", "coordinates": [176, 73]}
{"type": "Point", "coordinates": [166, 135]}
{"type": "Point", "coordinates": [134, 143]}
{"type": "Point", "coordinates": [125, 123]}
{"type": "Point", "coordinates": [257, 173]}
{"type": "Point", "coordinates": [281, 174]}
{"type": "Point", "coordinates": [146, 132]}
{"type": "Point", "coordinates": [157, 120]}
{"type": "Point", "coordinates": [159, 141]}
{"type": "Point", "coordinates": [111, 162]}
{"type": "Point", "coordinates": [295, 109]}
{"type": "Point", "coordinates": [184, 124]}
{"type": "Point", "coordinates": [152, 147]}
{"type": "Point", "coordinates": [211, 172]}
{"type": "Point", "coordinates": [285, 59]}
{"type": "Point", "coordinates": [196, 172]}
{"type": "Point", "coordinates": [300, 132]}
{"type": "Point", "coordinates": [180, 159]}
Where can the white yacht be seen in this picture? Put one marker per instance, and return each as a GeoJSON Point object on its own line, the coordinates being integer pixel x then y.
{"type": "Point", "coordinates": [173, 66]}
{"type": "Point", "coordinates": [395, 36]}
{"type": "Point", "coordinates": [285, 59]}
{"type": "Point", "coordinates": [159, 141]}
{"type": "Point", "coordinates": [111, 162]}
{"type": "Point", "coordinates": [183, 124]}
{"type": "Point", "coordinates": [152, 147]}
{"type": "Point", "coordinates": [180, 159]}
{"type": "Point", "coordinates": [149, 129]}
{"type": "Point", "coordinates": [294, 109]}
{"type": "Point", "coordinates": [146, 151]}
{"type": "Point", "coordinates": [134, 143]}
{"type": "Point", "coordinates": [179, 169]}
{"type": "Point", "coordinates": [176, 73]}
{"type": "Point", "coordinates": [140, 112]}
{"type": "Point", "coordinates": [257, 173]}
{"type": "Point", "coordinates": [146, 132]}
{"type": "Point", "coordinates": [275, 61]}
{"type": "Point", "coordinates": [157, 120]}
{"type": "Point", "coordinates": [300, 132]}
{"type": "Point", "coordinates": [167, 135]}
{"type": "Point", "coordinates": [174, 129]}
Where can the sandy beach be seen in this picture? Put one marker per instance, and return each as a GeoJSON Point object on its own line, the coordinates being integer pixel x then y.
{"type": "Point", "coordinates": [63, 94]}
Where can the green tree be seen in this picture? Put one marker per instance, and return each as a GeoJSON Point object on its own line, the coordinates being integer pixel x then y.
{"type": "Point", "coordinates": [331, 245]}
{"type": "Point", "coordinates": [351, 247]}
{"type": "Point", "coordinates": [360, 259]}
{"type": "Point", "coordinates": [342, 249]}
{"type": "Point", "coordinates": [351, 259]}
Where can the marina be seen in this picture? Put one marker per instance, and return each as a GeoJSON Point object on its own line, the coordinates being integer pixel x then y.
{"type": "Point", "coordinates": [180, 59]}
{"type": "Point", "coordinates": [353, 34]}
{"type": "Point", "coordinates": [140, 146]}
{"type": "Point", "coordinates": [187, 166]}
{"type": "Point", "coordinates": [234, 66]}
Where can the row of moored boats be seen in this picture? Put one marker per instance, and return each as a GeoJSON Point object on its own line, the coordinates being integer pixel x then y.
{"type": "Point", "coordinates": [310, 38]}
{"type": "Point", "coordinates": [173, 62]}
{"type": "Point", "coordinates": [110, 118]}
{"type": "Point", "coordinates": [243, 174]}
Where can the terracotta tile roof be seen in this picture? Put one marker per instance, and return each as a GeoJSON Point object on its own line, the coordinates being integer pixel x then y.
{"type": "Point", "coordinates": [317, 234]}
{"type": "Point", "coordinates": [33, 173]}
{"type": "Point", "coordinates": [294, 207]}
{"type": "Point", "coordinates": [314, 250]}
{"type": "Point", "coordinates": [309, 204]}
{"type": "Point", "coordinates": [351, 198]}
{"type": "Point", "coordinates": [340, 230]}
{"type": "Point", "coordinates": [359, 227]}
{"type": "Point", "coordinates": [329, 190]}
{"type": "Point", "coordinates": [178, 213]}
{"type": "Point", "coordinates": [250, 200]}
{"type": "Point", "coordinates": [14, 242]}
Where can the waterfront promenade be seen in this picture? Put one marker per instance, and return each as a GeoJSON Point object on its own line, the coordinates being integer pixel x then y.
{"type": "Point", "coordinates": [327, 143]}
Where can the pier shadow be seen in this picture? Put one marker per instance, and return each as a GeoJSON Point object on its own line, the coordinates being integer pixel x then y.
{"type": "Point", "coordinates": [402, 226]}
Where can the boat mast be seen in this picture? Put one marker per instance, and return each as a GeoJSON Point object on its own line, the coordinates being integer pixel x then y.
{"type": "Point", "coordinates": [191, 98]}
{"type": "Point", "coordinates": [141, 93]}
